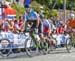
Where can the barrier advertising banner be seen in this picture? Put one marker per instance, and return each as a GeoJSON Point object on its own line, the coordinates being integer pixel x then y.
{"type": "Point", "coordinates": [17, 40]}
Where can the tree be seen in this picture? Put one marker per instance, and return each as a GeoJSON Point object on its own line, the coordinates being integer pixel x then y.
{"type": "Point", "coordinates": [20, 10]}
{"type": "Point", "coordinates": [59, 3]}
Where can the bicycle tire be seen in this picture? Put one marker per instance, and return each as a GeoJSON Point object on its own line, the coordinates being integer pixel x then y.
{"type": "Point", "coordinates": [51, 48]}
{"type": "Point", "coordinates": [29, 50]}
{"type": "Point", "coordinates": [5, 51]}
{"type": "Point", "coordinates": [68, 45]}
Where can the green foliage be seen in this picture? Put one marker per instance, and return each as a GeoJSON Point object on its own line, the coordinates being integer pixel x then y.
{"type": "Point", "coordinates": [50, 3]}
{"type": "Point", "coordinates": [73, 38]}
{"type": "Point", "coordinates": [54, 13]}
{"type": "Point", "coordinates": [36, 6]}
{"type": "Point", "coordinates": [47, 4]}
{"type": "Point", "coordinates": [46, 13]}
{"type": "Point", "coordinates": [20, 10]}
{"type": "Point", "coordinates": [59, 3]}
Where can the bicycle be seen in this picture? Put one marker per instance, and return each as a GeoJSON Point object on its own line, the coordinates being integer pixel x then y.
{"type": "Point", "coordinates": [67, 45]}
{"type": "Point", "coordinates": [31, 50]}
{"type": "Point", "coordinates": [51, 44]}
{"type": "Point", "coordinates": [6, 46]}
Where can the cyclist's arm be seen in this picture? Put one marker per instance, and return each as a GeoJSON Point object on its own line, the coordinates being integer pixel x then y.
{"type": "Point", "coordinates": [49, 30]}
{"type": "Point", "coordinates": [25, 25]}
{"type": "Point", "coordinates": [25, 22]}
{"type": "Point", "coordinates": [37, 22]}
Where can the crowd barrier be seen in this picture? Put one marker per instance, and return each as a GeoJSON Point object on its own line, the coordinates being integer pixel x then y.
{"type": "Point", "coordinates": [17, 40]}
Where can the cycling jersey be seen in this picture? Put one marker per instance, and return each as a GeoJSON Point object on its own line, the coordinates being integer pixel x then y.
{"type": "Point", "coordinates": [31, 16]}
{"type": "Point", "coordinates": [46, 23]}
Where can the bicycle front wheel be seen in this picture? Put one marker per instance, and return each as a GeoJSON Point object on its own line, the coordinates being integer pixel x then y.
{"type": "Point", "coordinates": [5, 47]}
{"type": "Point", "coordinates": [31, 48]}
{"type": "Point", "coordinates": [68, 45]}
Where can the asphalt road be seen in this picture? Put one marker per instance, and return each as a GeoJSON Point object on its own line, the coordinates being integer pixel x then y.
{"type": "Point", "coordinates": [58, 55]}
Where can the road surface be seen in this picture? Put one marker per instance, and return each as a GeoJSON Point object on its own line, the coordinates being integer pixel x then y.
{"type": "Point", "coordinates": [59, 55]}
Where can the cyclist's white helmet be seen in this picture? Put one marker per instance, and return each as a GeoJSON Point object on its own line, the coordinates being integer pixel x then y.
{"type": "Point", "coordinates": [71, 16]}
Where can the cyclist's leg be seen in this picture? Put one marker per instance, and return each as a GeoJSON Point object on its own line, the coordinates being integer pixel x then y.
{"type": "Point", "coordinates": [35, 39]}
{"type": "Point", "coordinates": [41, 35]}
{"type": "Point", "coordinates": [51, 40]}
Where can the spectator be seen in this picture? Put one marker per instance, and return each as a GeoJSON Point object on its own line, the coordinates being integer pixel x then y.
{"type": "Point", "coordinates": [61, 28]}
{"type": "Point", "coordinates": [1, 25]}
{"type": "Point", "coordinates": [71, 21]}
{"type": "Point", "coordinates": [5, 24]}
{"type": "Point", "coordinates": [16, 27]}
{"type": "Point", "coordinates": [21, 23]}
{"type": "Point", "coordinates": [11, 26]}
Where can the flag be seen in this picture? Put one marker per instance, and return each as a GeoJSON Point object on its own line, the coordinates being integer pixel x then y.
{"type": "Point", "coordinates": [10, 14]}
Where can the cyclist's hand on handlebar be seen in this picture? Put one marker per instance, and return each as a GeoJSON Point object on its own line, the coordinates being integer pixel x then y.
{"type": "Point", "coordinates": [36, 30]}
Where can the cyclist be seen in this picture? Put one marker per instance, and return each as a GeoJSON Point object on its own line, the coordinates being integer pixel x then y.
{"type": "Point", "coordinates": [47, 30]}
{"type": "Point", "coordinates": [46, 26]}
{"type": "Point", "coordinates": [32, 17]}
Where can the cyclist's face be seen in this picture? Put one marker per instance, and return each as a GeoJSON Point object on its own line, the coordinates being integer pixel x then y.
{"type": "Point", "coordinates": [72, 18]}
{"type": "Point", "coordinates": [28, 10]}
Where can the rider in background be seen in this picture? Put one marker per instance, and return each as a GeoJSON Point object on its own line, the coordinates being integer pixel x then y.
{"type": "Point", "coordinates": [71, 20]}
{"type": "Point", "coordinates": [47, 30]}
{"type": "Point", "coordinates": [46, 25]}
